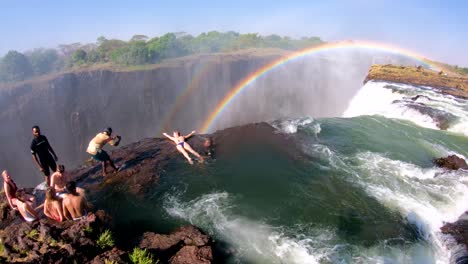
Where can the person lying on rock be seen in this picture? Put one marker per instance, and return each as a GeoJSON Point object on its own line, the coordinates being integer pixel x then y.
{"type": "Point", "coordinates": [182, 145]}
{"type": "Point", "coordinates": [74, 204]}
{"type": "Point", "coordinates": [25, 208]}
{"type": "Point", "coordinates": [53, 206]}
{"type": "Point", "coordinates": [40, 148]}
{"type": "Point", "coordinates": [10, 189]}
{"type": "Point", "coordinates": [58, 180]}
{"type": "Point", "coordinates": [96, 151]}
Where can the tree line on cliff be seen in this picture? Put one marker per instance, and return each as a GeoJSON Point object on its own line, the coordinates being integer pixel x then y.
{"type": "Point", "coordinates": [139, 50]}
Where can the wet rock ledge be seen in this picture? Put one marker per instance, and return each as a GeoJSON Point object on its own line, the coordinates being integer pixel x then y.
{"type": "Point", "coordinates": [459, 229]}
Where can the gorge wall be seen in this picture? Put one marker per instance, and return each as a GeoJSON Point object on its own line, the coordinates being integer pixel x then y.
{"type": "Point", "coordinates": [72, 107]}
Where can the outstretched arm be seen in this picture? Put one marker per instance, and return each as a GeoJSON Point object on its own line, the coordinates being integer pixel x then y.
{"type": "Point", "coordinates": [169, 137]}
{"type": "Point", "coordinates": [189, 135]}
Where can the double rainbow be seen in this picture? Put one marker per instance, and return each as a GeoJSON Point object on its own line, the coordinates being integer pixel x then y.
{"type": "Point", "coordinates": [243, 84]}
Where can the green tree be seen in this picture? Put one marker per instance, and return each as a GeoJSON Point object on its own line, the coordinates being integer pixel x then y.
{"type": "Point", "coordinates": [139, 38]}
{"type": "Point", "coordinates": [167, 46]}
{"type": "Point", "coordinates": [78, 57]}
{"type": "Point", "coordinates": [43, 61]}
{"type": "Point", "coordinates": [15, 66]}
{"type": "Point", "coordinates": [107, 47]}
{"type": "Point", "coordinates": [134, 54]}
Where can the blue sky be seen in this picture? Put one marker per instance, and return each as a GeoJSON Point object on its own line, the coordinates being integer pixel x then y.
{"type": "Point", "coordinates": [436, 29]}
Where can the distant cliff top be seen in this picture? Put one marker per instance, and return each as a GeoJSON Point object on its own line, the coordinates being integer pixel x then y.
{"type": "Point", "coordinates": [449, 83]}
{"type": "Point", "coordinates": [268, 54]}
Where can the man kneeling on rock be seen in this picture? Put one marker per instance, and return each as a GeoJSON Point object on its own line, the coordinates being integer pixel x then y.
{"type": "Point", "coordinates": [96, 145]}
{"type": "Point", "coordinates": [74, 204]}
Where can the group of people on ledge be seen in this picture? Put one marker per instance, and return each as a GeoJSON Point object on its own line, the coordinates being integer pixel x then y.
{"type": "Point", "coordinates": [63, 199]}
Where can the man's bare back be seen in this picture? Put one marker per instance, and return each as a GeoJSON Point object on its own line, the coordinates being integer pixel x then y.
{"type": "Point", "coordinates": [74, 206]}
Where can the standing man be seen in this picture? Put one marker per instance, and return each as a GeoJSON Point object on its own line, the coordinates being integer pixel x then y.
{"type": "Point", "coordinates": [96, 145]}
{"type": "Point", "coordinates": [41, 148]}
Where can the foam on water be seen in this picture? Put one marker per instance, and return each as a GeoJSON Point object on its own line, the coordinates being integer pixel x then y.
{"type": "Point", "coordinates": [378, 98]}
{"type": "Point", "coordinates": [427, 197]}
{"type": "Point", "coordinates": [254, 241]}
{"type": "Point", "coordinates": [289, 126]}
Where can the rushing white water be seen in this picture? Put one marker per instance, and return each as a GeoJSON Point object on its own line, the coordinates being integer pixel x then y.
{"type": "Point", "coordinates": [427, 197]}
{"type": "Point", "coordinates": [252, 240]}
{"type": "Point", "coordinates": [289, 126]}
{"type": "Point", "coordinates": [422, 195]}
{"type": "Point", "coordinates": [382, 98]}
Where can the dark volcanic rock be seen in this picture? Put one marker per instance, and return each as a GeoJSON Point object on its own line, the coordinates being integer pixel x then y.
{"type": "Point", "coordinates": [442, 118]}
{"type": "Point", "coordinates": [451, 162]}
{"type": "Point", "coordinates": [459, 231]}
{"type": "Point", "coordinates": [192, 255]}
{"type": "Point", "coordinates": [188, 244]}
{"type": "Point", "coordinates": [116, 255]}
{"type": "Point", "coordinates": [49, 242]}
{"type": "Point", "coordinates": [7, 215]}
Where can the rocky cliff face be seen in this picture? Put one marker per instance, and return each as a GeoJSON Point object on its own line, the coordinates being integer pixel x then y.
{"type": "Point", "coordinates": [72, 107]}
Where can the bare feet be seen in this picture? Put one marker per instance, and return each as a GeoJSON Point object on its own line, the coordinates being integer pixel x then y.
{"type": "Point", "coordinates": [190, 161]}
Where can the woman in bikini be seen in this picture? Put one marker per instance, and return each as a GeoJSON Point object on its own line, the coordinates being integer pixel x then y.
{"type": "Point", "coordinates": [53, 206]}
{"type": "Point", "coordinates": [24, 208]}
{"type": "Point", "coordinates": [10, 189]}
{"type": "Point", "coordinates": [183, 146]}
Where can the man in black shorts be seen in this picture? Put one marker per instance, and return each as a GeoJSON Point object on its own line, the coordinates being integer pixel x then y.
{"type": "Point", "coordinates": [41, 148]}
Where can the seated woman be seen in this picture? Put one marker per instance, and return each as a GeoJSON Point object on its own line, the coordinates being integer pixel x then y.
{"type": "Point", "coordinates": [10, 189]}
{"type": "Point", "coordinates": [24, 208]}
{"type": "Point", "coordinates": [53, 206]}
{"type": "Point", "coordinates": [182, 146]}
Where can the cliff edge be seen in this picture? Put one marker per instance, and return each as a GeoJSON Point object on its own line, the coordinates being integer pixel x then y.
{"type": "Point", "coordinates": [455, 85]}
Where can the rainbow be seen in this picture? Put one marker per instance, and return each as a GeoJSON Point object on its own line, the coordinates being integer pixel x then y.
{"type": "Point", "coordinates": [243, 84]}
{"type": "Point", "coordinates": [194, 83]}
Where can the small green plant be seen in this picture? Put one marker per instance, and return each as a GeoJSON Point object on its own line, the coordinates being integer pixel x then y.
{"type": "Point", "coordinates": [105, 239]}
{"type": "Point", "coordinates": [2, 248]}
{"type": "Point", "coordinates": [33, 234]}
{"type": "Point", "coordinates": [107, 261]}
{"type": "Point", "coordinates": [53, 242]}
{"type": "Point", "coordinates": [88, 230]}
{"type": "Point", "coordinates": [140, 256]}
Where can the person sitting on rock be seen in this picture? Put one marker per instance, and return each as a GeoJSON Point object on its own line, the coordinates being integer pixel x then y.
{"type": "Point", "coordinates": [74, 204]}
{"type": "Point", "coordinates": [53, 206]}
{"type": "Point", "coordinates": [10, 189]}
{"type": "Point", "coordinates": [209, 147]}
{"type": "Point", "coordinates": [182, 145]}
{"type": "Point", "coordinates": [96, 145]}
{"type": "Point", "coordinates": [25, 208]}
{"type": "Point", "coordinates": [58, 180]}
